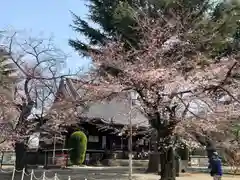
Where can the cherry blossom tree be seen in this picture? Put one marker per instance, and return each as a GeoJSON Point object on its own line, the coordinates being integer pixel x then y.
{"type": "Point", "coordinates": [8, 111]}
{"type": "Point", "coordinates": [38, 63]}
{"type": "Point", "coordinates": [181, 89]}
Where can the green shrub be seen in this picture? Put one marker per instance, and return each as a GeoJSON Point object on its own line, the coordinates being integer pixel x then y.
{"type": "Point", "coordinates": [78, 144]}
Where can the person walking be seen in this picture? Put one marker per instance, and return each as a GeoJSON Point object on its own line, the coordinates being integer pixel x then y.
{"type": "Point", "coordinates": [215, 166]}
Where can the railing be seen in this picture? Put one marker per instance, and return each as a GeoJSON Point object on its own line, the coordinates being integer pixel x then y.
{"type": "Point", "coordinates": [32, 175]}
{"type": "Point", "coordinates": [199, 160]}
{"type": "Point", "coordinates": [7, 158]}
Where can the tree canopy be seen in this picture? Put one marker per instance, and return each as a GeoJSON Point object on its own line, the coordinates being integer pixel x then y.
{"type": "Point", "coordinates": [180, 57]}
{"type": "Point", "coordinates": [216, 22]}
{"type": "Point", "coordinates": [186, 81]}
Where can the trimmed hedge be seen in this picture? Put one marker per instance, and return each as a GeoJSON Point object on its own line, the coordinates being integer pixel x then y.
{"type": "Point", "coordinates": [78, 143]}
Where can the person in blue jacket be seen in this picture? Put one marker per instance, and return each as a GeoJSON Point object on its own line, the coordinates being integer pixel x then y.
{"type": "Point", "coordinates": [215, 166]}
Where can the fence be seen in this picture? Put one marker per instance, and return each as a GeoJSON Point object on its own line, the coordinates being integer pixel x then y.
{"type": "Point", "coordinates": [7, 158]}
{"type": "Point", "coordinates": [35, 158]}
{"type": "Point", "coordinates": [59, 161]}
{"type": "Point", "coordinates": [32, 175]}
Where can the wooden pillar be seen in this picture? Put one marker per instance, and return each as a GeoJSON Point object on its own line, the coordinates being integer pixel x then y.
{"type": "Point", "coordinates": [104, 142]}
{"type": "Point", "coordinates": [45, 159]}
{"type": "Point", "coordinates": [2, 159]}
{"type": "Point", "coordinates": [121, 143]}
{"type": "Point", "coordinates": [67, 155]}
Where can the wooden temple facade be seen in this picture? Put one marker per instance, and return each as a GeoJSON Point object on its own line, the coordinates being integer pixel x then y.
{"type": "Point", "coordinates": [105, 125]}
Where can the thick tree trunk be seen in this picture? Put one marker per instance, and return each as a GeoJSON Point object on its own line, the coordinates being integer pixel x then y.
{"type": "Point", "coordinates": [153, 163]}
{"type": "Point", "coordinates": [20, 152]}
{"type": "Point", "coordinates": [168, 164]}
{"type": "Point", "coordinates": [154, 159]}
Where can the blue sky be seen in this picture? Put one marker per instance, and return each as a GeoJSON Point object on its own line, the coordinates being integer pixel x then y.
{"type": "Point", "coordinates": [47, 17]}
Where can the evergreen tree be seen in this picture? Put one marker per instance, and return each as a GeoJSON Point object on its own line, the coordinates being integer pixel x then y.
{"type": "Point", "coordinates": [203, 17]}
{"type": "Point", "coordinates": [220, 33]}
{"type": "Point", "coordinates": [111, 18]}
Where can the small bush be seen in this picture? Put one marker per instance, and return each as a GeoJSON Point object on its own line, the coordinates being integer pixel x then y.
{"type": "Point", "coordinates": [78, 143]}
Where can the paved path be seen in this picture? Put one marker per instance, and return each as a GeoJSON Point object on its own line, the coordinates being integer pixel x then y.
{"type": "Point", "coordinates": [184, 177]}
{"type": "Point", "coordinates": [113, 174]}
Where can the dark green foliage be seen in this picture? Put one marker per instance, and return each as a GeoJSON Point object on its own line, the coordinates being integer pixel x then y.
{"type": "Point", "coordinates": [220, 34]}
{"type": "Point", "coordinates": [78, 144]}
{"type": "Point", "coordinates": [113, 17]}
{"type": "Point", "coordinates": [214, 25]}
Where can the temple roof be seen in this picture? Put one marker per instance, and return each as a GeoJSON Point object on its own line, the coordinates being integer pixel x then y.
{"type": "Point", "coordinates": [116, 110]}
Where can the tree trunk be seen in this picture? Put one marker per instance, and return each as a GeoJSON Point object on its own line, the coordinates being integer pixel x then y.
{"type": "Point", "coordinates": [154, 159]}
{"type": "Point", "coordinates": [20, 153]}
{"type": "Point", "coordinates": [210, 148]}
{"type": "Point", "coordinates": [153, 163]}
{"type": "Point", "coordinates": [168, 164]}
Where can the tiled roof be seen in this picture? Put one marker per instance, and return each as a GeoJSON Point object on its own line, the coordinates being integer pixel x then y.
{"type": "Point", "coordinates": [116, 110]}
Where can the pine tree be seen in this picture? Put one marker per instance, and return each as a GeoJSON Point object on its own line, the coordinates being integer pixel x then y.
{"type": "Point", "coordinates": [108, 14]}
{"type": "Point", "coordinates": [221, 33]}
{"type": "Point", "coordinates": [204, 18]}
